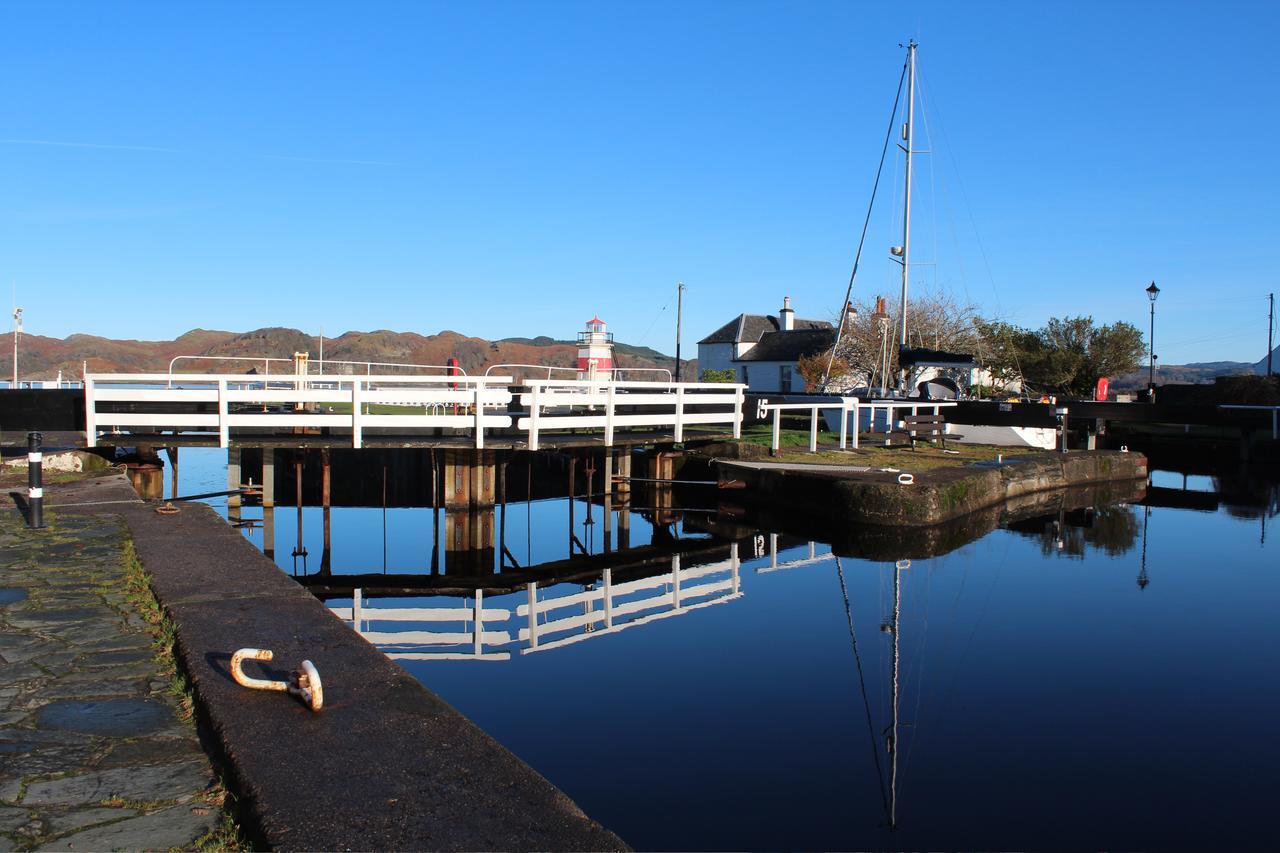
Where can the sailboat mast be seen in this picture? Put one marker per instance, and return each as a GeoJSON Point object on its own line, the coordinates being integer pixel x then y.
{"type": "Point", "coordinates": [908, 134]}
{"type": "Point", "coordinates": [897, 692]}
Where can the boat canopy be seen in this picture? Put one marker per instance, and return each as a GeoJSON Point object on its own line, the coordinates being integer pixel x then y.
{"type": "Point", "coordinates": [909, 357]}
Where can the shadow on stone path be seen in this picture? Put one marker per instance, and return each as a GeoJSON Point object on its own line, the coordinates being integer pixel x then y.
{"type": "Point", "coordinates": [94, 753]}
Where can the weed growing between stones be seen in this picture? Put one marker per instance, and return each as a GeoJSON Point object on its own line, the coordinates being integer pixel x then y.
{"type": "Point", "coordinates": [164, 632]}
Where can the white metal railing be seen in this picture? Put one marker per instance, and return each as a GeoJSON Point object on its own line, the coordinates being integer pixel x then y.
{"type": "Point", "coordinates": [458, 402]}
{"type": "Point", "coordinates": [1274, 410]}
{"type": "Point", "coordinates": [265, 361]}
{"type": "Point", "coordinates": [555, 404]}
{"type": "Point", "coordinates": [465, 641]}
{"type": "Point", "coordinates": [845, 405]}
{"type": "Point", "coordinates": [618, 374]}
{"type": "Point", "coordinates": [538, 367]}
{"type": "Point", "coordinates": [42, 384]}
{"type": "Point", "coordinates": [221, 403]}
{"type": "Point", "coordinates": [621, 373]}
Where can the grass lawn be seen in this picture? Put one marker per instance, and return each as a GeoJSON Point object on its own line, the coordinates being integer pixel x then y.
{"type": "Point", "coordinates": [794, 444]}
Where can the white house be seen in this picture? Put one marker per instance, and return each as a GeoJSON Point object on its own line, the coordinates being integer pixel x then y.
{"type": "Point", "coordinates": [763, 350]}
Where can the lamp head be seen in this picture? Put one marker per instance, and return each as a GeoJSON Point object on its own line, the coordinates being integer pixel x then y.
{"type": "Point", "coordinates": [1153, 291]}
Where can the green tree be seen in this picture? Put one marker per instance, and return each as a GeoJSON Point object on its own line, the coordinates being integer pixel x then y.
{"type": "Point", "coordinates": [1069, 354]}
{"type": "Point", "coordinates": [709, 375]}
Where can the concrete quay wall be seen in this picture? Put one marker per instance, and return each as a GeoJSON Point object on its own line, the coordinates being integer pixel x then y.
{"type": "Point", "coordinates": [937, 496]}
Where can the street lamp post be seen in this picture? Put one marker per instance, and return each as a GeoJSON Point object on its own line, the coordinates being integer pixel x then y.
{"type": "Point", "coordinates": [1152, 293]}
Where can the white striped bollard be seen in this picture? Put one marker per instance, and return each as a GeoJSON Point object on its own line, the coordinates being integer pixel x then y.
{"type": "Point", "coordinates": [35, 481]}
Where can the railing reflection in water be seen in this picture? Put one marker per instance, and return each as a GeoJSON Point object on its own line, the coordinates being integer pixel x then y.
{"type": "Point", "coordinates": [468, 629]}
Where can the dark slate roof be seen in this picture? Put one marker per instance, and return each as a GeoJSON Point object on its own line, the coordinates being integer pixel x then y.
{"type": "Point", "coordinates": [750, 328]}
{"type": "Point", "coordinates": [791, 346]}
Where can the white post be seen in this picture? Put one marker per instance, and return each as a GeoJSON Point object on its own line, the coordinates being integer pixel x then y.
{"type": "Point", "coordinates": [679, 413]}
{"type": "Point", "coordinates": [533, 613]}
{"type": "Point", "coordinates": [534, 390]}
{"type": "Point", "coordinates": [357, 430]}
{"type": "Point", "coordinates": [844, 422]}
{"type": "Point", "coordinates": [608, 598]}
{"type": "Point", "coordinates": [477, 396]}
{"type": "Point", "coordinates": [813, 430]}
{"type": "Point", "coordinates": [675, 581]}
{"type": "Point", "coordinates": [857, 421]}
{"type": "Point", "coordinates": [608, 417]}
{"type": "Point", "coordinates": [356, 604]}
{"type": "Point", "coordinates": [773, 550]}
{"type": "Point", "coordinates": [478, 639]}
{"type": "Point", "coordinates": [734, 565]}
{"type": "Point", "coordinates": [737, 412]}
{"type": "Point", "coordinates": [224, 429]}
{"type": "Point", "coordinates": [90, 414]}
{"type": "Point", "coordinates": [777, 429]}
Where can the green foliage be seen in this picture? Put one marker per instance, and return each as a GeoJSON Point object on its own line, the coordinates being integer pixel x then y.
{"type": "Point", "coordinates": [1069, 354]}
{"type": "Point", "coordinates": [710, 375]}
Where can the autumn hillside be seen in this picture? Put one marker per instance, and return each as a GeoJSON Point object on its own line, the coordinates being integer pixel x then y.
{"type": "Point", "coordinates": [42, 358]}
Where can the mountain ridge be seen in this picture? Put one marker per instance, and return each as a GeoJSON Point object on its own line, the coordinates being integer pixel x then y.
{"type": "Point", "coordinates": [42, 357]}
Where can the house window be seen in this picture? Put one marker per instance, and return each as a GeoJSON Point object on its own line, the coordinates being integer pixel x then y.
{"type": "Point", "coordinates": [784, 378]}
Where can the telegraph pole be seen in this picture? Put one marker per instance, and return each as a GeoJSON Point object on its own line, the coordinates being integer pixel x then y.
{"type": "Point", "coordinates": [679, 316]}
{"type": "Point", "coordinates": [17, 330]}
{"type": "Point", "coordinates": [1271, 324]}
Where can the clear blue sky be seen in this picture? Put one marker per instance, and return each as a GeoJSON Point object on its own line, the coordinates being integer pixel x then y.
{"type": "Point", "coordinates": [511, 169]}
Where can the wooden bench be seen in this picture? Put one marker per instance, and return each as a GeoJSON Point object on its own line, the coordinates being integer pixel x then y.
{"type": "Point", "coordinates": [925, 428]}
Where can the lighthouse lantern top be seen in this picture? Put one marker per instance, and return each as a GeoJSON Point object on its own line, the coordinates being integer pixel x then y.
{"type": "Point", "coordinates": [595, 324]}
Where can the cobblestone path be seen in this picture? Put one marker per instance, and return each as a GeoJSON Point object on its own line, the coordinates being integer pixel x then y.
{"type": "Point", "coordinates": [96, 750]}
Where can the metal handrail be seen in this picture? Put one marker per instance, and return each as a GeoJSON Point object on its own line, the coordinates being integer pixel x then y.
{"type": "Point", "coordinates": [266, 362]}
{"type": "Point", "coordinates": [547, 367]}
{"type": "Point", "coordinates": [369, 365]}
{"type": "Point", "coordinates": [620, 370]}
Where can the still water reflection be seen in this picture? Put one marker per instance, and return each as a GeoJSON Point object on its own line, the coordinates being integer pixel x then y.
{"type": "Point", "coordinates": [1086, 670]}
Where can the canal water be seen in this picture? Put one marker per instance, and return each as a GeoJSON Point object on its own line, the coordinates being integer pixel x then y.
{"type": "Point", "coordinates": [1080, 672]}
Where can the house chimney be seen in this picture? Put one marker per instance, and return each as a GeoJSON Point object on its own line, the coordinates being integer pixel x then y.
{"type": "Point", "coordinates": [786, 317]}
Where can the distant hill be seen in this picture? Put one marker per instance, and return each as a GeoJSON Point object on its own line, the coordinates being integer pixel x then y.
{"type": "Point", "coordinates": [41, 358]}
{"type": "Point", "coordinates": [1196, 373]}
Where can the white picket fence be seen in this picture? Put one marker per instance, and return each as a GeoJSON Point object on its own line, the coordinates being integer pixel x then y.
{"type": "Point", "coordinates": [474, 403]}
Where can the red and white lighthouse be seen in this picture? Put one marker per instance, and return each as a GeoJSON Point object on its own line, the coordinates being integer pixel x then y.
{"type": "Point", "coordinates": [595, 351]}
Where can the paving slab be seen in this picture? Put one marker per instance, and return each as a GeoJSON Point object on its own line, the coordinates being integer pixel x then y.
{"type": "Point", "coordinates": [123, 717]}
{"type": "Point", "coordinates": [147, 784]}
{"type": "Point", "coordinates": [175, 827]}
{"type": "Point", "coordinates": [87, 712]}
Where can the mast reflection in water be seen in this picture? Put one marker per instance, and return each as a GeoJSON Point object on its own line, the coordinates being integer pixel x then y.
{"type": "Point", "coordinates": [741, 678]}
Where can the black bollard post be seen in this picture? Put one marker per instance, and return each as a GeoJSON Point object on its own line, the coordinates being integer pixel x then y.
{"type": "Point", "coordinates": [35, 481]}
